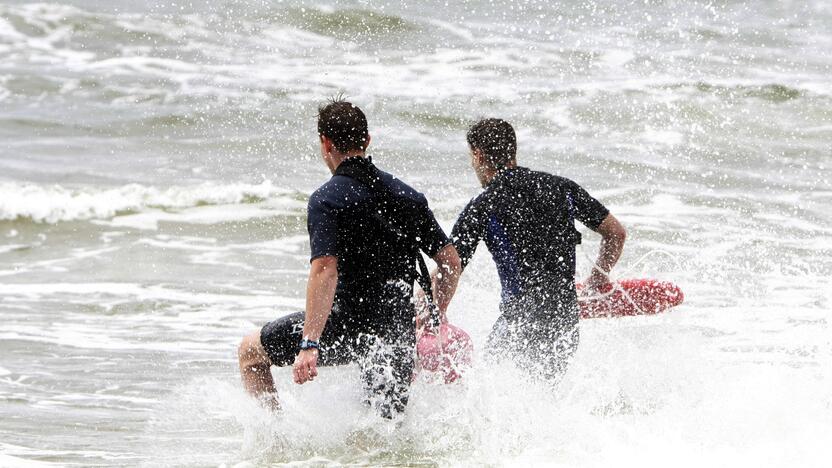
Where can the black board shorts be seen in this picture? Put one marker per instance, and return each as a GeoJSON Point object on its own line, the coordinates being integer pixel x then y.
{"type": "Point", "coordinates": [339, 345]}
{"type": "Point", "coordinates": [382, 342]}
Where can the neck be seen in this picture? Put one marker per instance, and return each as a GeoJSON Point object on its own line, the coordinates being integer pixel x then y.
{"type": "Point", "coordinates": [336, 158]}
{"type": "Point", "coordinates": [352, 154]}
{"type": "Point", "coordinates": [488, 173]}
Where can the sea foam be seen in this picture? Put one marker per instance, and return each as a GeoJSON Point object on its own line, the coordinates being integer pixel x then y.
{"type": "Point", "coordinates": [55, 203]}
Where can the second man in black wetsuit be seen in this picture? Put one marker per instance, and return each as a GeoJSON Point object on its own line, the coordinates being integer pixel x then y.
{"type": "Point", "coordinates": [527, 220]}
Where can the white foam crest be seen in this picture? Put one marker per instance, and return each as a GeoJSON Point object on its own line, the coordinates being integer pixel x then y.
{"type": "Point", "coordinates": [214, 254]}
{"type": "Point", "coordinates": [10, 455]}
{"type": "Point", "coordinates": [11, 248]}
{"type": "Point", "coordinates": [45, 15]}
{"type": "Point", "coordinates": [93, 340]}
{"type": "Point", "coordinates": [11, 461]}
{"type": "Point", "coordinates": [54, 203]}
{"type": "Point", "coordinates": [663, 137]}
{"type": "Point", "coordinates": [452, 28]}
{"type": "Point", "coordinates": [190, 27]}
{"type": "Point", "coordinates": [8, 32]}
{"type": "Point", "coordinates": [95, 292]}
{"type": "Point", "coordinates": [147, 65]}
{"type": "Point", "coordinates": [206, 215]}
{"type": "Point", "coordinates": [49, 19]}
{"type": "Point", "coordinates": [288, 38]}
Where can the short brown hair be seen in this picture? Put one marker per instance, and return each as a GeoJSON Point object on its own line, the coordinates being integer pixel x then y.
{"type": "Point", "coordinates": [496, 139]}
{"type": "Point", "coordinates": [344, 124]}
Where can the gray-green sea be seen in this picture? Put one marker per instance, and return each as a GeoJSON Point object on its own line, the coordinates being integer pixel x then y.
{"type": "Point", "coordinates": [156, 160]}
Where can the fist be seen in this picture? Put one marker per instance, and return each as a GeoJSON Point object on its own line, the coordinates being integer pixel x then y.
{"type": "Point", "coordinates": [306, 366]}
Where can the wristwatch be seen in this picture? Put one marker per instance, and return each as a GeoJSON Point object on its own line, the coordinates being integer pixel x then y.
{"type": "Point", "coordinates": [309, 344]}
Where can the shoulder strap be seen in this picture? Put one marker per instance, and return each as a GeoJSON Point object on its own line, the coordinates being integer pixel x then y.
{"type": "Point", "coordinates": [364, 171]}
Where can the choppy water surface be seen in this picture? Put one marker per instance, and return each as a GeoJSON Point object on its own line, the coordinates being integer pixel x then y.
{"type": "Point", "coordinates": [155, 162]}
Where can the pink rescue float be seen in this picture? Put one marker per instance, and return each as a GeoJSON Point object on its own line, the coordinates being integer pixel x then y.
{"type": "Point", "coordinates": [446, 350]}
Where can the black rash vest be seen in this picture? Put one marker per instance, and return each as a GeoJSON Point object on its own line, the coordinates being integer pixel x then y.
{"type": "Point", "coordinates": [343, 221]}
{"type": "Point", "coordinates": [527, 220]}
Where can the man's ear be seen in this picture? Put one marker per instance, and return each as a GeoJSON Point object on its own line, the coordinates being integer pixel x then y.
{"type": "Point", "coordinates": [367, 142]}
{"type": "Point", "coordinates": [326, 143]}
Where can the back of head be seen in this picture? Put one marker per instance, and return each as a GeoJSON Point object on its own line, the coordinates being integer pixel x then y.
{"type": "Point", "coordinates": [496, 139]}
{"type": "Point", "coordinates": [344, 124]}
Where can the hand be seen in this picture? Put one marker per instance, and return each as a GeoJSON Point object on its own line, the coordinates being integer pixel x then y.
{"type": "Point", "coordinates": [419, 300]}
{"type": "Point", "coordinates": [420, 304]}
{"type": "Point", "coordinates": [597, 282]}
{"type": "Point", "coordinates": [306, 366]}
{"type": "Point", "coordinates": [424, 322]}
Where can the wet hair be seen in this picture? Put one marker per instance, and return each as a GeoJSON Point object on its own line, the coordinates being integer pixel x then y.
{"type": "Point", "coordinates": [496, 139]}
{"type": "Point", "coordinates": [344, 124]}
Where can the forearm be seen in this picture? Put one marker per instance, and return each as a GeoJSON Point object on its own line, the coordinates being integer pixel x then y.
{"type": "Point", "coordinates": [446, 277]}
{"type": "Point", "coordinates": [608, 255]}
{"type": "Point", "coordinates": [613, 236]}
{"type": "Point", "coordinates": [320, 292]}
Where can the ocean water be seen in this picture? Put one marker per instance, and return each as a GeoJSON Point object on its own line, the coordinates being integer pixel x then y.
{"type": "Point", "coordinates": [156, 160]}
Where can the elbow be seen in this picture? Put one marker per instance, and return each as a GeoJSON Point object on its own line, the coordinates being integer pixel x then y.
{"type": "Point", "coordinates": [325, 268]}
{"type": "Point", "coordinates": [612, 230]}
{"type": "Point", "coordinates": [621, 234]}
{"type": "Point", "coordinates": [617, 236]}
{"type": "Point", "coordinates": [330, 272]}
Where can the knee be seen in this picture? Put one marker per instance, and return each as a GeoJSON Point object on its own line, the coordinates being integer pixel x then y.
{"type": "Point", "coordinates": [251, 352]}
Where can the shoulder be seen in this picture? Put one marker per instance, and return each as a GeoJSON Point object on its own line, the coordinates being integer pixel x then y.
{"type": "Point", "coordinates": [478, 201]}
{"type": "Point", "coordinates": [336, 185]}
{"type": "Point", "coordinates": [401, 188]}
{"type": "Point", "coordinates": [553, 179]}
{"type": "Point", "coordinates": [570, 187]}
{"type": "Point", "coordinates": [548, 178]}
{"type": "Point", "coordinates": [477, 208]}
{"type": "Point", "coordinates": [549, 185]}
{"type": "Point", "coordinates": [337, 192]}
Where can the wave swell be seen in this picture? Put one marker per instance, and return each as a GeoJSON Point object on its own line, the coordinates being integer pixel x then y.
{"type": "Point", "coordinates": [52, 204]}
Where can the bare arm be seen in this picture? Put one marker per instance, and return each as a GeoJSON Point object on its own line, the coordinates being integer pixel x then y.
{"type": "Point", "coordinates": [320, 292]}
{"type": "Point", "coordinates": [444, 284]}
{"type": "Point", "coordinates": [445, 277]}
{"type": "Point", "coordinates": [613, 236]}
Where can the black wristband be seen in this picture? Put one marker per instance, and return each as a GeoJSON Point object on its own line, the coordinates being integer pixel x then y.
{"type": "Point", "coordinates": [309, 344]}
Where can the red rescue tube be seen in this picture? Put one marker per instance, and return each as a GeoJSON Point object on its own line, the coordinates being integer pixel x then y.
{"type": "Point", "coordinates": [446, 350]}
{"type": "Point", "coordinates": [630, 297]}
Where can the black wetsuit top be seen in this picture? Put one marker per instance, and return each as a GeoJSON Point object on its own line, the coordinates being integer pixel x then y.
{"type": "Point", "coordinates": [344, 220]}
{"type": "Point", "coordinates": [527, 220]}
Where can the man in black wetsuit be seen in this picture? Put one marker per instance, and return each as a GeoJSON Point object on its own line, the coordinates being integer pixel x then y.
{"type": "Point", "coordinates": [527, 220]}
{"type": "Point", "coordinates": [366, 231]}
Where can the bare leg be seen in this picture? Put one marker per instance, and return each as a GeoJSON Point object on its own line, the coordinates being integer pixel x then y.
{"type": "Point", "coordinates": [255, 370]}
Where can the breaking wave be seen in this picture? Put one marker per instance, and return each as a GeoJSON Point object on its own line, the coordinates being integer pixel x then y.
{"type": "Point", "coordinates": [55, 203]}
